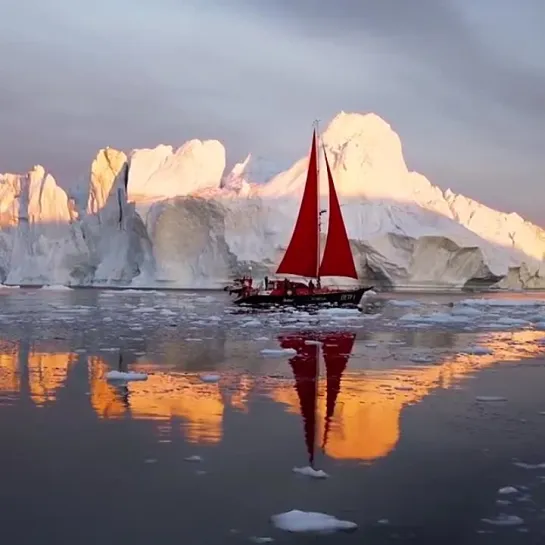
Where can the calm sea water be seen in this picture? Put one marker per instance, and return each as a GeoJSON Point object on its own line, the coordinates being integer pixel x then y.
{"type": "Point", "coordinates": [418, 422]}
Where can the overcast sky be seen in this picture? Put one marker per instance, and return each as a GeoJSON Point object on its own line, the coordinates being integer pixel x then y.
{"type": "Point", "coordinates": [461, 81]}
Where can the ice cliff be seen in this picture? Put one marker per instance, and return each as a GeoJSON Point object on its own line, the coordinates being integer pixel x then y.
{"type": "Point", "coordinates": [166, 217]}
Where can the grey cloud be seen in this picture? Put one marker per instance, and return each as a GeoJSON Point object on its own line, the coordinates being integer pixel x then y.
{"type": "Point", "coordinates": [455, 78]}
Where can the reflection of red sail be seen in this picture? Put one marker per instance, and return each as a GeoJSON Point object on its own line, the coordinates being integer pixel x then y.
{"type": "Point", "coordinates": [337, 348]}
{"type": "Point", "coordinates": [305, 369]}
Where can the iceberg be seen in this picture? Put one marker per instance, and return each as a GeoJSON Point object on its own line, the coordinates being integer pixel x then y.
{"type": "Point", "coordinates": [167, 217]}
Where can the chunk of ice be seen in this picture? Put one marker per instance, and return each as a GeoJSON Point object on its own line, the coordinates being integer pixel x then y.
{"type": "Point", "coordinates": [278, 351]}
{"type": "Point", "coordinates": [122, 375]}
{"type": "Point", "coordinates": [194, 458]}
{"type": "Point", "coordinates": [308, 521]}
{"type": "Point", "coordinates": [524, 465]}
{"type": "Point", "coordinates": [505, 520]}
{"type": "Point", "coordinates": [477, 351]}
{"type": "Point", "coordinates": [210, 378]}
{"type": "Point", "coordinates": [308, 471]}
{"type": "Point", "coordinates": [507, 490]}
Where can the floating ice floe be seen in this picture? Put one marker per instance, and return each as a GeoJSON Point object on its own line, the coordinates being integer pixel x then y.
{"type": "Point", "coordinates": [340, 311]}
{"type": "Point", "coordinates": [508, 490]}
{"type": "Point", "coordinates": [477, 351]}
{"type": "Point", "coordinates": [308, 521]}
{"type": "Point", "coordinates": [421, 358]}
{"type": "Point", "coordinates": [483, 302]}
{"type": "Point", "coordinates": [194, 458]}
{"type": "Point", "coordinates": [125, 375]}
{"type": "Point", "coordinates": [205, 299]}
{"type": "Point", "coordinates": [56, 287]}
{"type": "Point", "coordinates": [308, 471]}
{"type": "Point", "coordinates": [504, 520]}
{"type": "Point", "coordinates": [210, 378]}
{"type": "Point", "coordinates": [490, 398]}
{"type": "Point", "coordinates": [434, 318]}
{"type": "Point", "coordinates": [251, 323]}
{"type": "Point", "coordinates": [404, 303]}
{"type": "Point", "coordinates": [524, 465]}
{"type": "Point", "coordinates": [278, 351]}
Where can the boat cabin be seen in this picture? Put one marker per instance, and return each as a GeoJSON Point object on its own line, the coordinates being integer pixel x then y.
{"type": "Point", "coordinates": [289, 287]}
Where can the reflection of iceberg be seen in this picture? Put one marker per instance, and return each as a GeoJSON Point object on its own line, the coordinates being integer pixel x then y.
{"type": "Point", "coordinates": [10, 377]}
{"type": "Point", "coordinates": [47, 372]}
{"type": "Point", "coordinates": [45, 369]}
{"type": "Point", "coordinates": [164, 396]}
{"type": "Point", "coordinates": [239, 398]}
{"type": "Point", "coordinates": [106, 400]}
{"type": "Point", "coordinates": [365, 423]}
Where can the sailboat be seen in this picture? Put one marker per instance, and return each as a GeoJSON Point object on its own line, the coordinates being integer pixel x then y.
{"type": "Point", "coordinates": [336, 349]}
{"type": "Point", "coordinates": [302, 257]}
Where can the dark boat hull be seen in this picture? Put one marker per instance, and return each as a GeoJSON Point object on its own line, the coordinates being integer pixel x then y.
{"type": "Point", "coordinates": [341, 298]}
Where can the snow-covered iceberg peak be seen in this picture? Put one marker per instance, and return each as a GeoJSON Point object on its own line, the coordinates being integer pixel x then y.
{"type": "Point", "coordinates": [34, 197]}
{"type": "Point", "coordinates": [366, 156]}
{"type": "Point", "coordinates": [236, 179]}
{"type": "Point", "coordinates": [366, 159]}
{"type": "Point", "coordinates": [40, 245]}
{"type": "Point", "coordinates": [162, 173]}
{"type": "Point", "coordinates": [107, 181]}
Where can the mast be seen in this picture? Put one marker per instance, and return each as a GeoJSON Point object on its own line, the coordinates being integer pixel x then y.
{"type": "Point", "coordinates": [318, 203]}
{"type": "Point", "coordinates": [317, 131]}
{"type": "Point", "coordinates": [316, 381]}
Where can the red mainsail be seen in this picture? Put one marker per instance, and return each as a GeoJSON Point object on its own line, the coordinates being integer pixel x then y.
{"type": "Point", "coordinates": [301, 257]}
{"type": "Point", "coordinates": [337, 259]}
{"type": "Point", "coordinates": [337, 349]}
{"type": "Point", "coordinates": [305, 371]}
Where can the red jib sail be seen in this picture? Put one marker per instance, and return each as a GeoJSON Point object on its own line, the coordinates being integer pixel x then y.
{"type": "Point", "coordinates": [337, 259]}
{"type": "Point", "coordinates": [301, 257]}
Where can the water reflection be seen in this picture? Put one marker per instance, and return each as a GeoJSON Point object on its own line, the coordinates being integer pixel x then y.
{"type": "Point", "coordinates": [10, 378]}
{"type": "Point", "coordinates": [106, 399]}
{"type": "Point", "coordinates": [38, 368]}
{"type": "Point", "coordinates": [352, 410]}
{"type": "Point", "coordinates": [164, 396]}
{"type": "Point", "coordinates": [361, 420]}
{"type": "Point", "coordinates": [47, 372]}
{"type": "Point", "coordinates": [336, 349]}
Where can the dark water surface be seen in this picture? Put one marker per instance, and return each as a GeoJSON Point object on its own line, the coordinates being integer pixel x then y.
{"type": "Point", "coordinates": [397, 418]}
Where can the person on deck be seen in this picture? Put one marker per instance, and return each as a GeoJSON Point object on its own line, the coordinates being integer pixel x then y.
{"type": "Point", "coordinates": [266, 281]}
{"type": "Point", "coordinates": [311, 286]}
{"type": "Point", "coordinates": [318, 283]}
